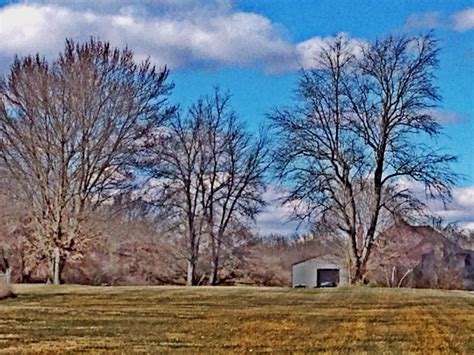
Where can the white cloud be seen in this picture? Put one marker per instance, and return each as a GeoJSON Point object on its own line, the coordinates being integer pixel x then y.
{"type": "Point", "coordinates": [460, 21]}
{"type": "Point", "coordinates": [446, 117]}
{"type": "Point", "coordinates": [459, 210]}
{"type": "Point", "coordinates": [276, 218]}
{"type": "Point", "coordinates": [430, 20]}
{"type": "Point", "coordinates": [212, 37]}
{"type": "Point", "coordinates": [178, 34]}
{"type": "Point", "coordinates": [469, 226]}
{"type": "Point", "coordinates": [463, 20]}
{"type": "Point", "coordinates": [465, 197]}
{"type": "Point", "coordinates": [309, 50]}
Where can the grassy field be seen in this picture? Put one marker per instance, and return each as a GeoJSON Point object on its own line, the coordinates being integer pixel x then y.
{"type": "Point", "coordinates": [189, 320]}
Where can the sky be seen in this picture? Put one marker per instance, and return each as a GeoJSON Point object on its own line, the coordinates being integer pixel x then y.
{"type": "Point", "coordinates": [254, 49]}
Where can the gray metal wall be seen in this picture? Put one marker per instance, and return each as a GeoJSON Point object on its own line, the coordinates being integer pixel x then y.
{"type": "Point", "coordinates": [305, 273]}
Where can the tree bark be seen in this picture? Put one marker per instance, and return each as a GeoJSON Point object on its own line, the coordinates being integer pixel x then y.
{"type": "Point", "coordinates": [358, 275]}
{"type": "Point", "coordinates": [57, 266]}
{"type": "Point", "coordinates": [8, 273]}
{"type": "Point", "coordinates": [215, 253]}
{"type": "Point", "coordinates": [191, 274]}
{"type": "Point", "coordinates": [214, 277]}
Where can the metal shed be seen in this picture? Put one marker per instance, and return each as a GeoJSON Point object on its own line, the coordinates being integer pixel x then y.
{"type": "Point", "coordinates": [323, 271]}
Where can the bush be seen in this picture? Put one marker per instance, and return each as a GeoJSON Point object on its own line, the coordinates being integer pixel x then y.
{"type": "Point", "coordinates": [6, 291]}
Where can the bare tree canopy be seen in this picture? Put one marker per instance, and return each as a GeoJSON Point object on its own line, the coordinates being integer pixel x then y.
{"type": "Point", "coordinates": [66, 129]}
{"type": "Point", "coordinates": [209, 170]}
{"type": "Point", "coordinates": [361, 126]}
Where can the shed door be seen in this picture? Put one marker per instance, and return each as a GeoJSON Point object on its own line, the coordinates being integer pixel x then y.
{"type": "Point", "coordinates": [327, 277]}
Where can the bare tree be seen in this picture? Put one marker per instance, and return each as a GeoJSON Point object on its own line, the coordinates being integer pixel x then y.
{"type": "Point", "coordinates": [171, 161]}
{"type": "Point", "coordinates": [356, 133]}
{"type": "Point", "coordinates": [209, 171]}
{"type": "Point", "coordinates": [233, 183]}
{"type": "Point", "coordinates": [66, 129]}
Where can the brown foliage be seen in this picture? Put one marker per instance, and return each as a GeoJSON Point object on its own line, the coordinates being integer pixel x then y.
{"type": "Point", "coordinates": [419, 256]}
{"type": "Point", "coordinates": [66, 128]}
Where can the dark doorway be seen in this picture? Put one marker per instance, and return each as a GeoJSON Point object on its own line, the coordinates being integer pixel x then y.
{"type": "Point", "coordinates": [327, 277]}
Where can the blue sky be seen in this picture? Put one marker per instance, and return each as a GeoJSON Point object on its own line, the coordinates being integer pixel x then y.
{"type": "Point", "coordinates": [255, 92]}
{"type": "Point", "coordinates": [253, 48]}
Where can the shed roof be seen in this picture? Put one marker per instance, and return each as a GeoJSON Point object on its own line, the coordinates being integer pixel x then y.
{"type": "Point", "coordinates": [321, 257]}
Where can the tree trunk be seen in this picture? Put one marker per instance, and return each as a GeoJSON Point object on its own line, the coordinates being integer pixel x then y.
{"type": "Point", "coordinates": [57, 266]}
{"type": "Point", "coordinates": [191, 275]}
{"type": "Point", "coordinates": [214, 277]}
{"type": "Point", "coordinates": [6, 266]}
{"type": "Point", "coordinates": [8, 275]}
{"type": "Point", "coordinates": [216, 243]}
{"type": "Point", "coordinates": [358, 274]}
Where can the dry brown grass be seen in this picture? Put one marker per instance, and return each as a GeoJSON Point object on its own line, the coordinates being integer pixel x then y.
{"type": "Point", "coordinates": [52, 319]}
